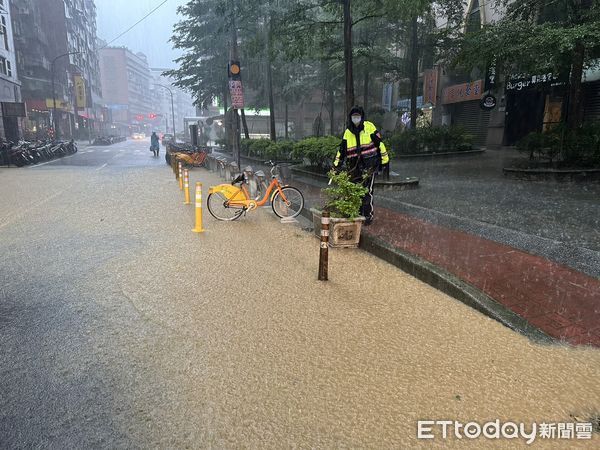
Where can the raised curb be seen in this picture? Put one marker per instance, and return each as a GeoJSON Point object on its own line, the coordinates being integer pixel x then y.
{"type": "Point", "coordinates": [577, 175]}
{"type": "Point", "coordinates": [440, 154]}
{"type": "Point", "coordinates": [450, 285]}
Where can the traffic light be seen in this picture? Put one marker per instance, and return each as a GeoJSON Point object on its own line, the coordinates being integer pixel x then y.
{"type": "Point", "coordinates": [152, 116]}
{"type": "Point", "coordinates": [234, 71]}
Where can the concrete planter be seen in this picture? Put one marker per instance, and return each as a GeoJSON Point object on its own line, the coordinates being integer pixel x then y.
{"type": "Point", "coordinates": [343, 233]}
{"type": "Point", "coordinates": [560, 175]}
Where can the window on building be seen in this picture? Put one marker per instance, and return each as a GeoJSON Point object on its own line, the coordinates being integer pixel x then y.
{"type": "Point", "coordinates": [4, 31]}
{"type": "Point", "coordinates": [3, 62]}
{"type": "Point", "coordinates": [8, 68]}
{"type": "Point", "coordinates": [474, 17]}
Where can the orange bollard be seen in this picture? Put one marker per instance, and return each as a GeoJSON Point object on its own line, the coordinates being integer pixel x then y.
{"type": "Point", "coordinates": [180, 177]}
{"type": "Point", "coordinates": [186, 186]}
{"type": "Point", "coordinates": [198, 228]}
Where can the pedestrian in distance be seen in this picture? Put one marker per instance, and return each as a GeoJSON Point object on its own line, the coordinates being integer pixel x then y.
{"type": "Point", "coordinates": [363, 154]}
{"type": "Point", "coordinates": [154, 146]}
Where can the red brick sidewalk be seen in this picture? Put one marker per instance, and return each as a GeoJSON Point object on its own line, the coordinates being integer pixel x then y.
{"type": "Point", "coordinates": [562, 302]}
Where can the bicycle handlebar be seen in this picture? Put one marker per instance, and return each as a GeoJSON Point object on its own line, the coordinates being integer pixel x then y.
{"type": "Point", "coordinates": [239, 178]}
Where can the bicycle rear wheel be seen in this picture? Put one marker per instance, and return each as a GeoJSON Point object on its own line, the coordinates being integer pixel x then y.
{"type": "Point", "coordinates": [291, 206]}
{"type": "Point", "coordinates": [218, 208]}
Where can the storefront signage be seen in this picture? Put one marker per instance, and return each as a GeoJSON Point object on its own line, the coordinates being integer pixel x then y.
{"type": "Point", "coordinates": [490, 77]}
{"type": "Point", "coordinates": [10, 109]}
{"type": "Point", "coordinates": [60, 104]}
{"type": "Point", "coordinates": [430, 80]}
{"type": "Point", "coordinates": [80, 97]}
{"type": "Point", "coordinates": [488, 101]}
{"type": "Point", "coordinates": [463, 92]}
{"type": "Point", "coordinates": [518, 82]}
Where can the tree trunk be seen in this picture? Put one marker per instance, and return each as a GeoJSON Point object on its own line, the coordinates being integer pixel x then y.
{"type": "Point", "coordinates": [575, 107]}
{"type": "Point", "coordinates": [348, 56]}
{"type": "Point", "coordinates": [245, 124]}
{"type": "Point", "coordinates": [273, 133]}
{"type": "Point", "coordinates": [227, 119]}
{"type": "Point", "coordinates": [414, 71]}
{"type": "Point", "coordinates": [234, 57]}
{"type": "Point", "coordinates": [286, 120]}
{"type": "Point", "coordinates": [331, 113]}
{"type": "Point", "coordinates": [366, 89]}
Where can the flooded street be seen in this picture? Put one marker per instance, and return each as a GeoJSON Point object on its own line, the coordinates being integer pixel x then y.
{"type": "Point", "coordinates": [135, 332]}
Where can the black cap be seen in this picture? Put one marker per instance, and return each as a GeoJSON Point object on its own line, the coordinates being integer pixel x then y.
{"type": "Point", "coordinates": [357, 110]}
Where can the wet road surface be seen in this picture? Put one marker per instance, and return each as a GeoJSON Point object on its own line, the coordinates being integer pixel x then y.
{"type": "Point", "coordinates": [121, 328]}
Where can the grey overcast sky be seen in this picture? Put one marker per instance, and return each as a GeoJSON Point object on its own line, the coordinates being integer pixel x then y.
{"type": "Point", "coordinates": [150, 37]}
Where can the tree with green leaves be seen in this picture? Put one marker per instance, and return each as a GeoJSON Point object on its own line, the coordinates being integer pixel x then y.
{"type": "Point", "coordinates": [204, 36]}
{"type": "Point", "coordinates": [419, 35]}
{"type": "Point", "coordinates": [310, 21]}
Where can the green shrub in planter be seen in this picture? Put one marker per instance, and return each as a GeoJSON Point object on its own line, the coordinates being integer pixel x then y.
{"type": "Point", "coordinates": [245, 146]}
{"type": "Point", "coordinates": [430, 140]}
{"type": "Point", "coordinates": [319, 151]}
{"type": "Point", "coordinates": [284, 150]}
{"type": "Point", "coordinates": [345, 197]}
{"type": "Point", "coordinates": [579, 147]}
{"type": "Point", "coordinates": [540, 145]}
{"type": "Point", "coordinates": [259, 147]}
{"type": "Point", "coordinates": [582, 146]}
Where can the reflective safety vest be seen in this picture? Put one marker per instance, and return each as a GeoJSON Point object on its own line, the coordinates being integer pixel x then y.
{"type": "Point", "coordinates": [366, 148]}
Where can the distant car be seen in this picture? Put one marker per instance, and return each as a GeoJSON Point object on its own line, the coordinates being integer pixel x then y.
{"type": "Point", "coordinates": [138, 136]}
{"type": "Point", "coordinates": [166, 138]}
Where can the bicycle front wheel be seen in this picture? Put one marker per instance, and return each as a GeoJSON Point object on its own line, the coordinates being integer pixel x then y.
{"type": "Point", "coordinates": [220, 210]}
{"type": "Point", "coordinates": [291, 206]}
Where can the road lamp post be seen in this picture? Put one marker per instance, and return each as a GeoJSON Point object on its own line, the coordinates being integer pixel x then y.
{"type": "Point", "coordinates": [172, 108]}
{"type": "Point", "coordinates": [54, 114]}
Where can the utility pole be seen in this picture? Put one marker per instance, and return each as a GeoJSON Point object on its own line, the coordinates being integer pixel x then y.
{"type": "Point", "coordinates": [348, 56]}
{"type": "Point", "coordinates": [172, 108]}
{"type": "Point", "coordinates": [54, 112]}
{"type": "Point", "coordinates": [234, 57]}
{"type": "Point", "coordinates": [414, 71]}
{"type": "Point", "coordinates": [272, 130]}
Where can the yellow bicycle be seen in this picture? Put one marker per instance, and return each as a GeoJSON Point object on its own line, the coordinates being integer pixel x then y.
{"type": "Point", "coordinates": [229, 202]}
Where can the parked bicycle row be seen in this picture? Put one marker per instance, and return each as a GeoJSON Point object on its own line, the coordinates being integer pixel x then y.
{"type": "Point", "coordinates": [248, 189]}
{"type": "Point", "coordinates": [189, 155]}
{"type": "Point", "coordinates": [108, 140]}
{"type": "Point", "coordinates": [26, 153]}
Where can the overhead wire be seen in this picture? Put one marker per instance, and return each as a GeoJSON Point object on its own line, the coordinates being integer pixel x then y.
{"type": "Point", "coordinates": [135, 24]}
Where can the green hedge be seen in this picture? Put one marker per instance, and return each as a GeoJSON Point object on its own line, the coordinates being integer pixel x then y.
{"type": "Point", "coordinates": [579, 147]}
{"type": "Point", "coordinates": [319, 152]}
{"type": "Point", "coordinates": [430, 140]}
{"type": "Point", "coordinates": [264, 148]}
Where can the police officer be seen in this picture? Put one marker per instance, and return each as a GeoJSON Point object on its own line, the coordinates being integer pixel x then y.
{"type": "Point", "coordinates": [364, 153]}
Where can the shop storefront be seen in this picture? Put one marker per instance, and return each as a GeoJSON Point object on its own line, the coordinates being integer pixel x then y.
{"type": "Point", "coordinates": [12, 116]}
{"type": "Point", "coordinates": [461, 103]}
{"type": "Point", "coordinates": [533, 104]}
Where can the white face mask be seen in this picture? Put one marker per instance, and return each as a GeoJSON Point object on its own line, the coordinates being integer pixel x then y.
{"type": "Point", "coordinates": [356, 120]}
